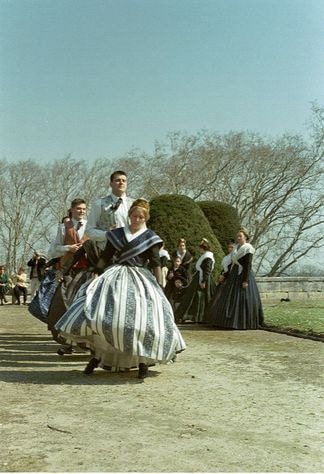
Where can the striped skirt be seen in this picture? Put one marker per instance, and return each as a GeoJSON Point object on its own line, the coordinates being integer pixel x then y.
{"type": "Point", "coordinates": [124, 317]}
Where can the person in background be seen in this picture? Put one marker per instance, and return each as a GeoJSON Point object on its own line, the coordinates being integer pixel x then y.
{"type": "Point", "coordinates": [227, 261]}
{"type": "Point", "coordinates": [195, 299]}
{"type": "Point", "coordinates": [177, 280]}
{"type": "Point", "coordinates": [4, 285]}
{"type": "Point", "coordinates": [37, 271]}
{"type": "Point", "coordinates": [165, 259]}
{"type": "Point", "coordinates": [109, 212]}
{"type": "Point", "coordinates": [185, 256]}
{"type": "Point", "coordinates": [239, 305]}
{"type": "Point", "coordinates": [19, 279]}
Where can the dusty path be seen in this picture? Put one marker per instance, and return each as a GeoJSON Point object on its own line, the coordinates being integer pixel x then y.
{"type": "Point", "coordinates": [234, 401]}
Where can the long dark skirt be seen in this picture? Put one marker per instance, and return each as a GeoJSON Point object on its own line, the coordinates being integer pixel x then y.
{"type": "Point", "coordinates": [235, 307]}
{"type": "Point", "coordinates": [62, 299]}
{"type": "Point", "coordinates": [41, 302]}
{"type": "Point", "coordinates": [195, 301]}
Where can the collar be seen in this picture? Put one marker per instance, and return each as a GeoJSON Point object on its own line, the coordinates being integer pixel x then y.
{"type": "Point", "coordinates": [115, 198]}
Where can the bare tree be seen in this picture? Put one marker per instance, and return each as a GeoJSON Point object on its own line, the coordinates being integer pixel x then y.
{"type": "Point", "coordinates": [275, 184]}
{"type": "Point", "coordinates": [23, 211]}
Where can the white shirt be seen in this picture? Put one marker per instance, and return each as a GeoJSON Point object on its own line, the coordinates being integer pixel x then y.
{"type": "Point", "coordinates": [57, 247]}
{"type": "Point", "coordinates": [121, 217]}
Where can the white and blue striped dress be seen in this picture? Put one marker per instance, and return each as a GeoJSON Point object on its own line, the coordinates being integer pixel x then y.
{"type": "Point", "coordinates": [123, 315]}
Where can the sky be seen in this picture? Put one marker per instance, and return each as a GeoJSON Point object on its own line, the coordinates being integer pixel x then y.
{"type": "Point", "coordinates": [96, 78]}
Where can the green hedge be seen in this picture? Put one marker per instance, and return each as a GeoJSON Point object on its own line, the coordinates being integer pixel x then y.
{"type": "Point", "coordinates": [223, 220]}
{"type": "Point", "coordinates": [177, 216]}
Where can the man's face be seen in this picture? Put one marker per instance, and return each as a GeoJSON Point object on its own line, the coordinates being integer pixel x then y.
{"type": "Point", "coordinates": [119, 185]}
{"type": "Point", "coordinates": [79, 211]}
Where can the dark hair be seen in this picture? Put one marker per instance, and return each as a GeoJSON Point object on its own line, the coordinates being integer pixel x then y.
{"type": "Point", "coordinates": [116, 173]}
{"type": "Point", "coordinates": [75, 203]}
{"type": "Point", "coordinates": [231, 242]}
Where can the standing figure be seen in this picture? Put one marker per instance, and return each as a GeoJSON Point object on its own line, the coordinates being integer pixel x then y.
{"type": "Point", "coordinates": [4, 285]}
{"type": "Point", "coordinates": [177, 280]}
{"type": "Point", "coordinates": [109, 212]}
{"type": "Point", "coordinates": [185, 256]}
{"type": "Point", "coordinates": [226, 266]}
{"type": "Point", "coordinates": [196, 297]}
{"type": "Point", "coordinates": [238, 305]}
{"type": "Point", "coordinates": [20, 281]}
{"type": "Point", "coordinates": [123, 315]}
{"type": "Point", "coordinates": [37, 271]}
{"type": "Point", "coordinates": [164, 259]}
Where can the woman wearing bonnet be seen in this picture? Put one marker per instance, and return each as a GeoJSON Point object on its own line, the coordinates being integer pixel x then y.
{"type": "Point", "coordinates": [238, 306]}
{"type": "Point", "coordinates": [123, 315]}
{"type": "Point", "coordinates": [197, 295]}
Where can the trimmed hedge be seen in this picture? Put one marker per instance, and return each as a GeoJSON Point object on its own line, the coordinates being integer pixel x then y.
{"type": "Point", "coordinates": [223, 220]}
{"type": "Point", "coordinates": [177, 216]}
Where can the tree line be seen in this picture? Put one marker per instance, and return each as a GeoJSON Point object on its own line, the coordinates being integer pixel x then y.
{"type": "Point", "coordinates": [276, 185]}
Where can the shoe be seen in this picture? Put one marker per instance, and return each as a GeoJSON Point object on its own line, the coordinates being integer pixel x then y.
{"type": "Point", "coordinates": [1, 303]}
{"type": "Point", "coordinates": [107, 367]}
{"type": "Point", "coordinates": [142, 371]}
{"type": "Point", "coordinates": [92, 364]}
{"type": "Point", "coordinates": [64, 350]}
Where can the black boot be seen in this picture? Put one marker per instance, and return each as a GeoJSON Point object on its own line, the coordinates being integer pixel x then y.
{"type": "Point", "coordinates": [142, 371]}
{"type": "Point", "coordinates": [92, 364]}
{"type": "Point", "coordinates": [65, 349]}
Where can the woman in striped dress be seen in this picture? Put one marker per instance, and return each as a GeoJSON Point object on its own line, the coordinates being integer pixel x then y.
{"type": "Point", "coordinates": [123, 315]}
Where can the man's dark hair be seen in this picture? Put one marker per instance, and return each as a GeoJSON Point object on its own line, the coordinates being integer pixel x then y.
{"type": "Point", "coordinates": [115, 173]}
{"type": "Point", "coordinates": [77, 201]}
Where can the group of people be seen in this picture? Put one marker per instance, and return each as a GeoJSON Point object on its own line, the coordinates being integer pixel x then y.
{"type": "Point", "coordinates": [17, 282]}
{"type": "Point", "coordinates": [103, 292]}
{"type": "Point", "coordinates": [233, 302]}
{"type": "Point", "coordinates": [111, 288]}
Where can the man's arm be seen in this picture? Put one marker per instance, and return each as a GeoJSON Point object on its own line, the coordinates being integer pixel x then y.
{"type": "Point", "coordinates": [92, 221]}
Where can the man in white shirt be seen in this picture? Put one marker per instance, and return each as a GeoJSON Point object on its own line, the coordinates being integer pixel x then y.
{"type": "Point", "coordinates": [109, 212]}
{"type": "Point", "coordinates": [69, 239]}
{"type": "Point", "coordinates": [71, 231]}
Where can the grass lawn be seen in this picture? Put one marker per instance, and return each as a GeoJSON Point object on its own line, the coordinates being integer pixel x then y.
{"type": "Point", "coordinates": [303, 316]}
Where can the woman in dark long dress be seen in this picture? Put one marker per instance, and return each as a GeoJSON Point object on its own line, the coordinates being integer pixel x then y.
{"type": "Point", "coordinates": [196, 297]}
{"type": "Point", "coordinates": [238, 306]}
{"type": "Point", "coordinates": [123, 315]}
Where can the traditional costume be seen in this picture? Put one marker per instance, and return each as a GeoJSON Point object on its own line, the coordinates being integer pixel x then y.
{"type": "Point", "coordinates": [123, 315]}
{"type": "Point", "coordinates": [107, 213]}
{"type": "Point", "coordinates": [194, 301]}
{"type": "Point", "coordinates": [237, 307]}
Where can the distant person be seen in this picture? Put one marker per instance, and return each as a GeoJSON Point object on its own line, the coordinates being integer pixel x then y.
{"type": "Point", "coordinates": [195, 299]}
{"type": "Point", "coordinates": [226, 266]}
{"type": "Point", "coordinates": [164, 259]}
{"type": "Point", "coordinates": [177, 280]}
{"type": "Point", "coordinates": [38, 265]}
{"type": "Point", "coordinates": [109, 212]}
{"type": "Point", "coordinates": [185, 256]}
{"type": "Point", "coordinates": [238, 305]}
{"type": "Point", "coordinates": [4, 285]}
{"type": "Point", "coordinates": [19, 279]}
{"type": "Point", "coordinates": [227, 261]}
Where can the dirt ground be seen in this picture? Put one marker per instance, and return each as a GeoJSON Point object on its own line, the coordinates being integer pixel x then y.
{"type": "Point", "coordinates": [235, 401]}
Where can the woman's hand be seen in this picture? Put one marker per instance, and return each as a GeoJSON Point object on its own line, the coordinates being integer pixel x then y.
{"type": "Point", "coordinates": [202, 285]}
{"type": "Point", "coordinates": [245, 284]}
